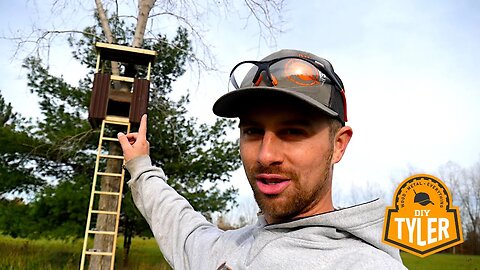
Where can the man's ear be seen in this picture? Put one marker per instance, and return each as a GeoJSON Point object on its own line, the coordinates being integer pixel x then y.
{"type": "Point", "coordinates": [342, 138]}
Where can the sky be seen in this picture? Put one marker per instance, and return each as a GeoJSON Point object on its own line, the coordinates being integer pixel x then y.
{"type": "Point", "coordinates": [409, 70]}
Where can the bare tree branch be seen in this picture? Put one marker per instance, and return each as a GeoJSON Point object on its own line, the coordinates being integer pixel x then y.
{"type": "Point", "coordinates": [192, 14]}
{"type": "Point", "coordinates": [108, 32]}
{"type": "Point", "coordinates": [144, 8]}
{"type": "Point", "coordinates": [262, 13]}
{"type": "Point", "coordinates": [464, 185]}
{"type": "Point", "coordinates": [42, 38]}
{"type": "Point", "coordinates": [104, 22]}
{"type": "Point", "coordinates": [194, 30]}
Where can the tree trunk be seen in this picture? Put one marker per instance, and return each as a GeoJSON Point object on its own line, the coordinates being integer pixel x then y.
{"type": "Point", "coordinates": [106, 202]}
{"type": "Point", "coordinates": [108, 32]}
{"type": "Point", "coordinates": [144, 8]}
{"type": "Point", "coordinates": [127, 240]}
{"type": "Point", "coordinates": [475, 248]}
{"type": "Point", "coordinates": [109, 203]}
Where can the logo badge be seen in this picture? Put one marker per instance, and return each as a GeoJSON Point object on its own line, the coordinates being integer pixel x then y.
{"type": "Point", "coordinates": [422, 219]}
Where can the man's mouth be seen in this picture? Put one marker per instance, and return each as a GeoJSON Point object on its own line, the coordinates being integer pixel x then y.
{"type": "Point", "coordinates": [272, 184]}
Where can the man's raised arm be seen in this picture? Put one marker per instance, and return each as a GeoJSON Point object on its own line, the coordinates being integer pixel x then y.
{"type": "Point", "coordinates": [184, 236]}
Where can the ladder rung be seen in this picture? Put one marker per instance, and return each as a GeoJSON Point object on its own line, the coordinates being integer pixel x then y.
{"type": "Point", "coordinates": [110, 139]}
{"type": "Point", "coordinates": [121, 78]}
{"type": "Point", "coordinates": [99, 253]}
{"type": "Point", "coordinates": [111, 156]}
{"type": "Point", "coordinates": [107, 193]}
{"type": "Point", "coordinates": [104, 212]}
{"type": "Point", "coordinates": [101, 232]}
{"type": "Point", "coordinates": [117, 120]}
{"type": "Point", "coordinates": [110, 174]}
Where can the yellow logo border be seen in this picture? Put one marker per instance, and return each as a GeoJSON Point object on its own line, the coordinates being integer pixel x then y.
{"type": "Point", "coordinates": [449, 208]}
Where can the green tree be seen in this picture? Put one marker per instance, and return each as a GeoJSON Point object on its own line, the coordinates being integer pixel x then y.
{"type": "Point", "coordinates": [17, 172]}
{"type": "Point", "coordinates": [56, 155]}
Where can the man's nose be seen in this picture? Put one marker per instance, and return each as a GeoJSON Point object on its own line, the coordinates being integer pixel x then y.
{"type": "Point", "coordinates": [270, 152]}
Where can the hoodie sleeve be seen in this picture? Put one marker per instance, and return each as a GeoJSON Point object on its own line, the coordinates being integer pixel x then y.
{"type": "Point", "coordinates": [184, 236]}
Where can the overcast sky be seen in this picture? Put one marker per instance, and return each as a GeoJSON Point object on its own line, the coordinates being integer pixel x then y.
{"type": "Point", "coordinates": [409, 70]}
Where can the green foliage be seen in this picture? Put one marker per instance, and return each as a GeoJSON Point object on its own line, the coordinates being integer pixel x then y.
{"type": "Point", "coordinates": [17, 176]}
{"type": "Point", "coordinates": [6, 113]}
{"type": "Point", "coordinates": [195, 160]}
{"type": "Point", "coordinates": [13, 218]}
{"type": "Point", "coordinates": [62, 208]}
{"type": "Point", "coordinates": [54, 158]}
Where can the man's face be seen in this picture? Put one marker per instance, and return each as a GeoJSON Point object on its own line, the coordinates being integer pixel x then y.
{"type": "Point", "coordinates": [287, 156]}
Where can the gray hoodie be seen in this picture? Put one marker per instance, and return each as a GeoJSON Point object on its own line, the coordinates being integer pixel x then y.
{"type": "Point", "coordinates": [343, 239]}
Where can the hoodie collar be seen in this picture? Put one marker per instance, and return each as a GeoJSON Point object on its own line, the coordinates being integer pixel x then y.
{"type": "Point", "coordinates": [364, 221]}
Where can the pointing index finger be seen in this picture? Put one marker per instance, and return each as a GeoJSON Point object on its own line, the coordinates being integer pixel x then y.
{"type": "Point", "coordinates": [142, 130]}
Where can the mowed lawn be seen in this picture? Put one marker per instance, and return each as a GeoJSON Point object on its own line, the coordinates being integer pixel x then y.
{"type": "Point", "coordinates": [21, 254]}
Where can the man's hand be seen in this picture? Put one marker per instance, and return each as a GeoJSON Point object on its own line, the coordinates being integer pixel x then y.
{"type": "Point", "coordinates": [135, 144]}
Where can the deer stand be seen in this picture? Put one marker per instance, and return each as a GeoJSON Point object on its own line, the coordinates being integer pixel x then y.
{"type": "Point", "coordinates": [117, 102]}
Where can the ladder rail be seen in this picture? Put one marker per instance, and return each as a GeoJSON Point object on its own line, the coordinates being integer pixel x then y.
{"type": "Point", "coordinates": [117, 221]}
{"type": "Point", "coordinates": [116, 213]}
{"type": "Point", "coordinates": [92, 198]}
{"type": "Point", "coordinates": [119, 206]}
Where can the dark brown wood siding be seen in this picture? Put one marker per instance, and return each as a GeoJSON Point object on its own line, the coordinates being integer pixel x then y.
{"type": "Point", "coordinates": [98, 103]}
{"type": "Point", "coordinates": [139, 100]}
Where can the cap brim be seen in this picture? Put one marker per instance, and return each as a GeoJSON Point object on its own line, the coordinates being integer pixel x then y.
{"type": "Point", "coordinates": [234, 103]}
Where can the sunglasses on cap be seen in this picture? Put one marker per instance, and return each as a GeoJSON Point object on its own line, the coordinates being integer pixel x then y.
{"type": "Point", "coordinates": [290, 72]}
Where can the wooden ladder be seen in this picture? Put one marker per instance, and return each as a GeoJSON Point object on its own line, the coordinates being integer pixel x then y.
{"type": "Point", "coordinates": [93, 213]}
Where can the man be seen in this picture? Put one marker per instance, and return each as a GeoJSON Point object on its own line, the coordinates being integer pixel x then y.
{"type": "Point", "coordinates": [292, 112]}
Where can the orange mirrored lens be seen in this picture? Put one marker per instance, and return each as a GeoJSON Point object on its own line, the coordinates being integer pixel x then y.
{"type": "Point", "coordinates": [297, 71]}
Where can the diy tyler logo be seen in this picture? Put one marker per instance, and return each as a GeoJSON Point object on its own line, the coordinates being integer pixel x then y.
{"type": "Point", "coordinates": [422, 220]}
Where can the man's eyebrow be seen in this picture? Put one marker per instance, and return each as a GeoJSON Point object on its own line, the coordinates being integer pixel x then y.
{"type": "Point", "coordinates": [290, 122]}
{"type": "Point", "coordinates": [246, 122]}
{"type": "Point", "coordinates": [297, 122]}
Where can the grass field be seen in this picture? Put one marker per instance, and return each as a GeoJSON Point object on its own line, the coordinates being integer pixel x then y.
{"type": "Point", "coordinates": [442, 262]}
{"type": "Point", "coordinates": [23, 254]}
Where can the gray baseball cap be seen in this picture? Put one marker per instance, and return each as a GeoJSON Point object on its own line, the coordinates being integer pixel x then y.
{"type": "Point", "coordinates": [320, 88]}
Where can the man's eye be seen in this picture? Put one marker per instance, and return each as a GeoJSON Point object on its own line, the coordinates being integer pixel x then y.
{"type": "Point", "coordinates": [252, 131]}
{"type": "Point", "coordinates": [294, 131]}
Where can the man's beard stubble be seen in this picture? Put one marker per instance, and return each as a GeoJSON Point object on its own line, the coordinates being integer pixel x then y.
{"type": "Point", "coordinates": [298, 200]}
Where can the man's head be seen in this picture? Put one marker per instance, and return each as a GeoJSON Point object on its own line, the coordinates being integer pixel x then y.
{"type": "Point", "coordinates": [292, 114]}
